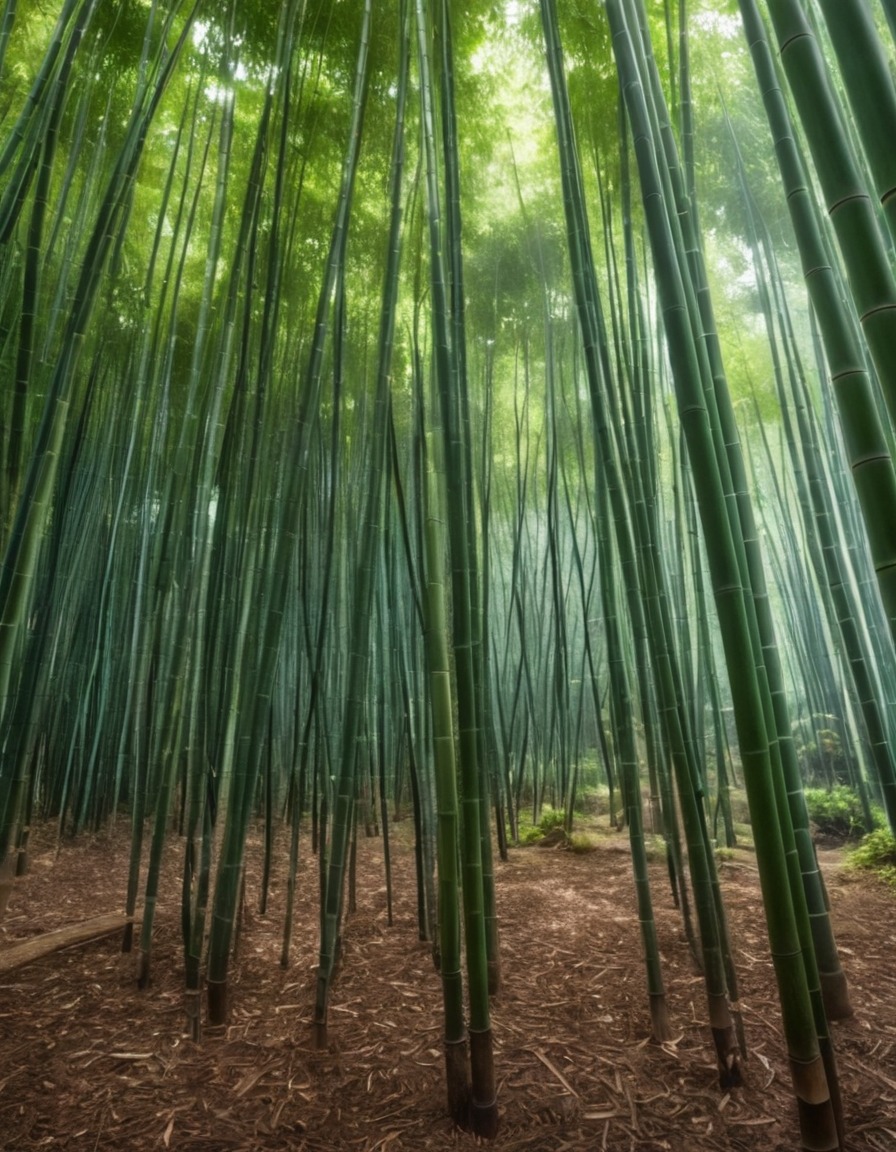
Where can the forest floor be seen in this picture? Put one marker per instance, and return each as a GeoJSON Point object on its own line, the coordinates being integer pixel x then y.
{"type": "Point", "coordinates": [88, 1062]}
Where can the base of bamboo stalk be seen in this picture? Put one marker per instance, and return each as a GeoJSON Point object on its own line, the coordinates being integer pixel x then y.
{"type": "Point", "coordinates": [725, 1040]}
{"type": "Point", "coordinates": [193, 997]}
{"type": "Point", "coordinates": [457, 1082]}
{"type": "Point", "coordinates": [216, 1000]}
{"type": "Point", "coordinates": [730, 1075]}
{"type": "Point", "coordinates": [818, 1132]}
{"type": "Point", "coordinates": [660, 1023]}
{"type": "Point", "coordinates": [144, 977]}
{"type": "Point", "coordinates": [818, 1124]}
{"type": "Point", "coordinates": [193, 1006]}
{"type": "Point", "coordinates": [127, 938]}
{"type": "Point", "coordinates": [484, 1119]}
{"type": "Point", "coordinates": [829, 1059]}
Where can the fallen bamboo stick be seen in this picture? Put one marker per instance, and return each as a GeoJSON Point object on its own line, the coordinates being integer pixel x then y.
{"type": "Point", "coordinates": [26, 951]}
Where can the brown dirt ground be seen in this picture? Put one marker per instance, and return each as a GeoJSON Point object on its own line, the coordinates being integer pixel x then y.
{"type": "Point", "coordinates": [91, 1063]}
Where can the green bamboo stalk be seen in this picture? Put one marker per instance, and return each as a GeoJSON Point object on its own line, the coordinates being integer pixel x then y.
{"type": "Point", "coordinates": [6, 26]}
{"type": "Point", "coordinates": [849, 206]}
{"type": "Point", "coordinates": [870, 90]}
{"type": "Point", "coordinates": [33, 256]}
{"type": "Point", "coordinates": [25, 138]}
{"type": "Point", "coordinates": [189, 520]}
{"type": "Point", "coordinates": [281, 506]}
{"type": "Point", "coordinates": [866, 443]}
{"type": "Point", "coordinates": [833, 983]}
{"type": "Point", "coordinates": [438, 662]}
{"type": "Point", "coordinates": [19, 565]}
{"type": "Point", "coordinates": [605, 451]}
{"type": "Point", "coordinates": [637, 421]}
{"type": "Point", "coordinates": [448, 367]}
{"type": "Point", "coordinates": [371, 543]}
{"type": "Point", "coordinates": [468, 635]}
{"type": "Point", "coordinates": [622, 716]}
{"type": "Point", "coordinates": [802, 868]}
{"type": "Point", "coordinates": [412, 704]}
{"type": "Point", "coordinates": [810, 1081]}
{"type": "Point", "coordinates": [199, 796]}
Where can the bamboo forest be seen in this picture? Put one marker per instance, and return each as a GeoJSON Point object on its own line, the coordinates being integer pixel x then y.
{"type": "Point", "coordinates": [448, 588]}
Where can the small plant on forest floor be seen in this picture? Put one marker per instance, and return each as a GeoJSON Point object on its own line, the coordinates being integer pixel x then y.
{"type": "Point", "coordinates": [581, 842]}
{"type": "Point", "coordinates": [876, 853]}
{"type": "Point", "coordinates": [552, 820]}
{"type": "Point", "coordinates": [837, 812]}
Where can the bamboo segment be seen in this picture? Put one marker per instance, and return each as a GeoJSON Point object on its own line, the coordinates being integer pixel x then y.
{"type": "Point", "coordinates": [848, 203]}
{"type": "Point", "coordinates": [870, 89]}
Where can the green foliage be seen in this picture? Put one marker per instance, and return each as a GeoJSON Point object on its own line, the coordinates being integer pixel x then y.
{"type": "Point", "coordinates": [836, 812]}
{"type": "Point", "coordinates": [551, 818]}
{"type": "Point", "coordinates": [876, 853]}
{"type": "Point", "coordinates": [591, 801]}
{"type": "Point", "coordinates": [581, 842]}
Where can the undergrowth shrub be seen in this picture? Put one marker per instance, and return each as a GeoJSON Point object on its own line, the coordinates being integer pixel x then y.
{"type": "Point", "coordinates": [876, 853]}
{"type": "Point", "coordinates": [551, 818]}
{"type": "Point", "coordinates": [581, 842]}
{"type": "Point", "coordinates": [836, 812]}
